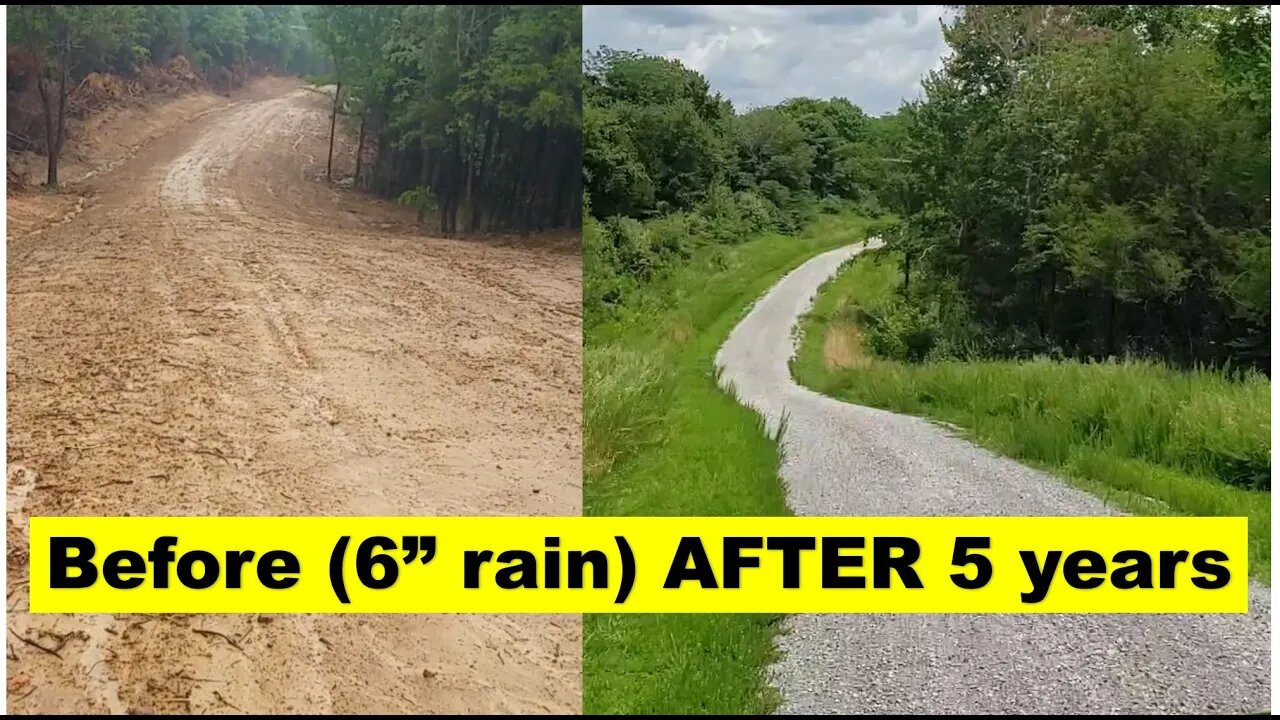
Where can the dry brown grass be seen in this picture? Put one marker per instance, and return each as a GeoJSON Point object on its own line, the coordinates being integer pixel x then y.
{"type": "Point", "coordinates": [680, 330]}
{"type": "Point", "coordinates": [842, 347]}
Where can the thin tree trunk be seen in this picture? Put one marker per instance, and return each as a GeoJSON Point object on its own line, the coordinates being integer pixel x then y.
{"type": "Point", "coordinates": [426, 181]}
{"type": "Point", "coordinates": [63, 92]}
{"type": "Point", "coordinates": [480, 179]}
{"type": "Point", "coordinates": [56, 122]}
{"type": "Point", "coordinates": [359, 150]}
{"type": "Point", "coordinates": [456, 182]}
{"type": "Point", "coordinates": [1111, 324]}
{"type": "Point", "coordinates": [468, 197]}
{"type": "Point", "coordinates": [1051, 305]}
{"type": "Point", "coordinates": [50, 134]}
{"type": "Point", "coordinates": [526, 217]}
{"type": "Point", "coordinates": [333, 127]}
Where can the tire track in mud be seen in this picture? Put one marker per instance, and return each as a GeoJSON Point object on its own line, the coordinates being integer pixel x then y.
{"type": "Point", "coordinates": [245, 347]}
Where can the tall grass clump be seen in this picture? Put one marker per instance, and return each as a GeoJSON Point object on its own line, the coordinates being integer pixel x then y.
{"type": "Point", "coordinates": [627, 388]}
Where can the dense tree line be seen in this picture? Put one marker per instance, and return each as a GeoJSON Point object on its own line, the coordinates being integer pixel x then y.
{"type": "Point", "coordinates": [223, 42]}
{"type": "Point", "coordinates": [471, 113]}
{"type": "Point", "coordinates": [668, 165]}
{"type": "Point", "coordinates": [1093, 181]}
{"type": "Point", "coordinates": [1079, 181]}
{"type": "Point", "coordinates": [474, 111]}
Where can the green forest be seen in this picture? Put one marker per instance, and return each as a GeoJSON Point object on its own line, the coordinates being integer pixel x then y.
{"type": "Point", "coordinates": [1076, 274]}
{"type": "Point", "coordinates": [669, 166]}
{"type": "Point", "coordinates": [55, 47]}
{"type": "Point", "coordinates": [469, 113]}
{"type": "Point", "coordinates": [1091, 182]}
{"type": "Point", "coordinates": [475, 109]}
{"type": "Point", "coordinates": [1078, 181]}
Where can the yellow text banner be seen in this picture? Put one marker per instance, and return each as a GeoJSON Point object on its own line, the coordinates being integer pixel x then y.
{"type": "Point", "coordinates": [641, 565]}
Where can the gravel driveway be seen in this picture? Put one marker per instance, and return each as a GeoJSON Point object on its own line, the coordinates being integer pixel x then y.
{"type": "Point", "coordinates": [842, 459]}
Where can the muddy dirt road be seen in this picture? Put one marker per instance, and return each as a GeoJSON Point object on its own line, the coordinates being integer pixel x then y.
{"type": "Point", "coordinates": [219, 332]}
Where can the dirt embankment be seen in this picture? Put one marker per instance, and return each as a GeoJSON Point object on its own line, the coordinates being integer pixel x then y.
{"type": "Point", "coordinates": [109, 121]}
{"type": "Point", "coordinates": [218, 332]}
{"type": "Point", "coordinates": [108, 117]}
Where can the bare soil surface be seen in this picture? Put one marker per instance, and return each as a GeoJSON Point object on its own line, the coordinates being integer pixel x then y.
{"type": "Point", "coordinates": [217, 331]}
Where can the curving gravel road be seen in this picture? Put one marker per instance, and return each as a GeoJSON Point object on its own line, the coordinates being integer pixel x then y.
{"type": "Point", "coordinates": [842, 459]}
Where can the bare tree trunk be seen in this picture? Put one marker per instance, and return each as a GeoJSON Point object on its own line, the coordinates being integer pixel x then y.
{"type": "Point", "coordinates": [480, 173]}
{"type": "Point", "coordinates": [1111, 325]}
{"type": "Point", "coordinates": [50, 133]}
{"type": "Point", "coordinates": [333, 127]}
{"type": "Point", "coordinates": [55, 120]}
{"type": "Point", "coordinates": [63, 92]}
{"type": "Point", "coordinates": [359, 151]}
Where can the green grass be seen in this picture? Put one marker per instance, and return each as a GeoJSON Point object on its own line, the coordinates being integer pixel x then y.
{"type": "Point", "coordinates": [662, 439]}
{"type": "Point", "coordinates": [1146, 438]}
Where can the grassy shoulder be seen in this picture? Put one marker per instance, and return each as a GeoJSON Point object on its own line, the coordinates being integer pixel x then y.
{"type": "Point", "coordinates": [1146, 438]}
{"type": "Point", "coordinates": [661, 438]}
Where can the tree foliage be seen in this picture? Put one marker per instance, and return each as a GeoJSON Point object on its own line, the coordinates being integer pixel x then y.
{"type": "Point", "coordinates": [1095, 181]}
{"type": "Point", "coordinates": [476, 108]}
{"type": "Point", "coordinates": [120, 38]}
{"type": "Point", "coordinates": [668, 164]}
{"type": "Point", "coordinates": [221, 41]}
{"type": "Point", "coordinates": [473, 113]}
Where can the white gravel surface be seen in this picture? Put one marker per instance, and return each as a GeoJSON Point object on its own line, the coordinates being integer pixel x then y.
{"type": "Point", "coordinates": [842, 459]}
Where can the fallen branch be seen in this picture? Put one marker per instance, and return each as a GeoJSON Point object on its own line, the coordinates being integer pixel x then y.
{"type": "Point", "coordinates": [184, 366]}
{"type": "Point", "coordinates": [38, 646]}
{"type": "Point", "coordinates": [224, 701]}
{"type": "Point", "coordinates": [215, 633]}
{"type": "Point", "coordinates": [16, 587]}
{"type": "Point", "coordinates": [214, 453]}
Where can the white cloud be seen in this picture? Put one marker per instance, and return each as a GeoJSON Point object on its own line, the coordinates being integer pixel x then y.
{"type": "Point", "coordinates": [874, 55]}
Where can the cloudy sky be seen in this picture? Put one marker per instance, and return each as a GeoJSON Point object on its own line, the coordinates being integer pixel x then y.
{"type": "Point", "coordinates": [874, 55]}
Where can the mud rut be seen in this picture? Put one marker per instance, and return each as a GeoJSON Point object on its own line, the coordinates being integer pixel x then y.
{"type": "Point", "coordinates": [221, 333]}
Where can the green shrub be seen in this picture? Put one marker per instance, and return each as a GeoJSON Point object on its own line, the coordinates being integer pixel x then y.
{"type": "Point", "coordinates": [831, 205]}
{"type": "Point", "coordinates": [758, 214]}
{"type": "Point", "coordinates": [899, 330]}
{"type": "Point", "coordinates": [643, 250]}
{"type": "Point", "coordinates": [604, 288]}
{"type": "Point", "coordinates": [722, 216]}
{"type": "Point", "coordinates": [421, 199]}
